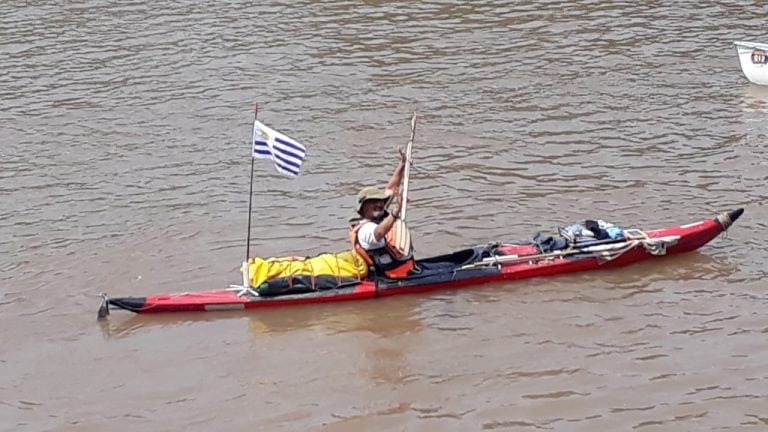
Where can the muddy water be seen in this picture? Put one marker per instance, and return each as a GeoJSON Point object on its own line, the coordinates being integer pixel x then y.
{"type": "Point", "coordinates": [124, 142]}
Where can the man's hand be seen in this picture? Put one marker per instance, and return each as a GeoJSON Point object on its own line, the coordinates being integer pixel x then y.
{"type": "Point", "coordinates": [397, 202]}
{"type": "Point", "coordinates": [403, 157]}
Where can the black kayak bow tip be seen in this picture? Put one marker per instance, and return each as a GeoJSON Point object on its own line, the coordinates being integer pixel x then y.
{"type": "Point", "coordinates": [133, 304]}
{"type": "Point", "coordinates": [726, 219]}
{"type": "Point", "coordinates": [103, 307]}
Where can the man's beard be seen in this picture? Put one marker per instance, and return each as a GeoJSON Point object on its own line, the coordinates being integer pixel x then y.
{"type": "Point", "coordinates": [379, 216]}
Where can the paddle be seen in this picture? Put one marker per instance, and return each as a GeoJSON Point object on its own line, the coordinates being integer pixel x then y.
{"type": "Point", "coordinates": [408, 162]}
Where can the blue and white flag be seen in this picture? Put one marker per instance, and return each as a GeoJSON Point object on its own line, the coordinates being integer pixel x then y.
{"type": "Point", "coordinates": [286, 153]}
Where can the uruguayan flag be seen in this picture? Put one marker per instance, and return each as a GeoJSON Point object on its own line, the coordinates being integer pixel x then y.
{"type": "Point", "coordinates": [287, 154]}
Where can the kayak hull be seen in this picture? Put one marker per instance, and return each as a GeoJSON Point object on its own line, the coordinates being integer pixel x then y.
{"type": "Point", "coordinates": [687, 238]}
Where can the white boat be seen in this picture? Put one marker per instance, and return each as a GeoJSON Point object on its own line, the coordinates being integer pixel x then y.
{"type": "Point", "coordinates": [753, 58]}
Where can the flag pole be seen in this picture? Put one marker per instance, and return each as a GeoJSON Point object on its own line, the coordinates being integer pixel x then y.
{"type": "Point", "coordinates": [246, 278]}
{"type": "Point", "coordinates": [407, 173]}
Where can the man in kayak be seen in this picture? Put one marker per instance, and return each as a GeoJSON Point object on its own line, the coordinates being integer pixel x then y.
{"type": "Point", "coordinates": [380, 237]}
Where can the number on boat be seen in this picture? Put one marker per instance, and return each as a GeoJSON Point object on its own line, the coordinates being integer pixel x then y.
{"type": "Point", "coordinates": [759, 57]}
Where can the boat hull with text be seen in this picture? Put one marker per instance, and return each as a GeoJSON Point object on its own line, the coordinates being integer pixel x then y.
{"type": "Point", "coordinates": [753, 59]}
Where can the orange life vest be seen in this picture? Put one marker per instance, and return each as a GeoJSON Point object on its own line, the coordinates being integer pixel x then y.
{"type": "Point", "coordinates": [395, 259]}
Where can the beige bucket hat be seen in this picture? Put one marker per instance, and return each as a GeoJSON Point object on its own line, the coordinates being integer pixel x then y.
{"type": "Point", "coordinates": [370, 193]}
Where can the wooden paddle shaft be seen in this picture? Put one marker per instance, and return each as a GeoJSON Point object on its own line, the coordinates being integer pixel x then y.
{"type": "Point", "coordinates": [407, 174]}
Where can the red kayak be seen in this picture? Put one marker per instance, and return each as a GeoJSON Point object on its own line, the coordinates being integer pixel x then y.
{"type": "Point", "coordinates": [469, 267]}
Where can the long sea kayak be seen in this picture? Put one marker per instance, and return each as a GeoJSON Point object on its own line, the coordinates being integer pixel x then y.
{"type": "Point", "coordinates": [494, 262]}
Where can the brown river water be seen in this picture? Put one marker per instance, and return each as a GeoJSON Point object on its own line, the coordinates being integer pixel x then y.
{"type": "Point", "coordinates": [124, 168]}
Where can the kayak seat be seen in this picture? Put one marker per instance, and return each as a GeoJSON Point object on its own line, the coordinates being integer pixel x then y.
{"type": "Point", "coordinates": [443, 268]}
{"type": "Point", "coordinates": [445, 264]}
{"type": "Point", "coordinates": [458, 258]}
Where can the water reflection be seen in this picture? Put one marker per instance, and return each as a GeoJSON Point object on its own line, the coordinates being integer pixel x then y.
{"type": "Point", "coordinates": [381, 318]}
{"type": "Point", "coordinates": [383, 332]}
{"type": "Point", "coordinates": [755, 99]}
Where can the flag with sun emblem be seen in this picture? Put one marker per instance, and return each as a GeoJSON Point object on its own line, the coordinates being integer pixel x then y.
{"type": "Point", "coordinates": [286, 153]}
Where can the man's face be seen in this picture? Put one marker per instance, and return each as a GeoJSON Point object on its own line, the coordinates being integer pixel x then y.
{"type": "Point", "coordinates": [373, 209]}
